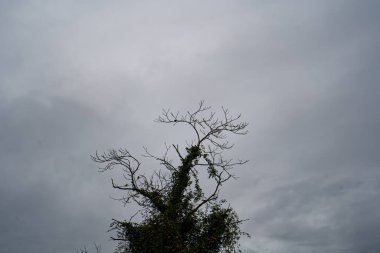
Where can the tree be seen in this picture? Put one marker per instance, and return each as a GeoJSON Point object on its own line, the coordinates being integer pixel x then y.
{"type": "Point", "coordinates": [177, 213]}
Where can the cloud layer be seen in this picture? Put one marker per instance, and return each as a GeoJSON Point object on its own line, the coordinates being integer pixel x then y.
{"type": "Point", "coordinates": [80, 77]}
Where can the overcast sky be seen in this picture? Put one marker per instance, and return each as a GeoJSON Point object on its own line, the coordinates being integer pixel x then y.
{"type": "Point", "coordinates": [81, 76]}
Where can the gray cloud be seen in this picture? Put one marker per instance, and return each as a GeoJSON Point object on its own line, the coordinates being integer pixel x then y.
{"type": "Point", "coordinates": [79, 77]}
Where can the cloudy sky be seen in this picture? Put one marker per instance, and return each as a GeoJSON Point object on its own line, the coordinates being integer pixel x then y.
{"type": "Point", "coordinates": [81, 76]}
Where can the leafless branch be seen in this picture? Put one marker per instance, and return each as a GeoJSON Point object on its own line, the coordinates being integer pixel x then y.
{"type": "Point", "coordinates": [137, 185]}
{"type": "Point", "coordinates": [206, 125]}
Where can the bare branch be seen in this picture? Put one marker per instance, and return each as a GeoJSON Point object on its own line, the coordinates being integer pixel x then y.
{"type": "Point", "coordinates": [137, 185]}
{"type": "Point", "coordinates": [208, 128]}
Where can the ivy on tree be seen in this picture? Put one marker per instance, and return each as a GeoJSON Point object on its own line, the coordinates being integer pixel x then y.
{"type": "Point", "coordinates": [178, 216]}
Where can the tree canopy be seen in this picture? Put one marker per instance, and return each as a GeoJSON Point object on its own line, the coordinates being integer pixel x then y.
{"type": "Point", "coordinates": [177, 213]}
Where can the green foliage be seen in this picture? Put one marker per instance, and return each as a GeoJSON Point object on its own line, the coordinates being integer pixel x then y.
{"type": "Point", "coordinates": [177, 216]}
